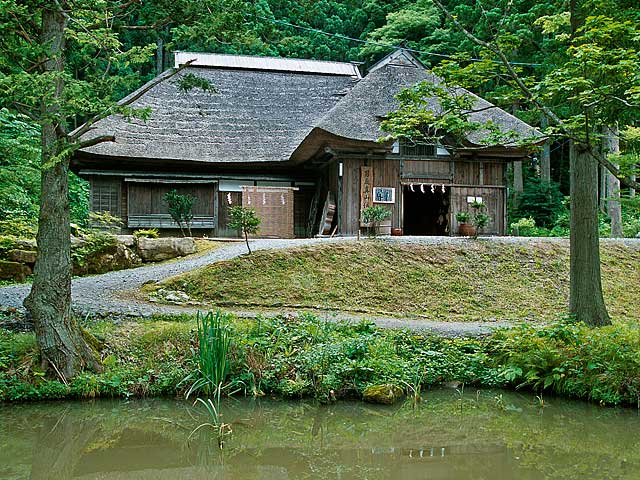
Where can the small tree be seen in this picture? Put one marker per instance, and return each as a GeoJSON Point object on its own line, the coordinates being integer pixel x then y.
{"type": "Point", "coordinates": [374, 215]}
{"type": "Point", "coordinates": [479, 218]}
{"type": "Point", "coordinates": [244, 219]}
{"type": "Point", "coordinates": [180, 209]}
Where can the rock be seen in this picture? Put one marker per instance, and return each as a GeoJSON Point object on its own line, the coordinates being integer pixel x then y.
{"type": "Point", "coordinates": [177, 297]}
{"type": "Point", "coordinates": [114, 258]}
{"type": "Point", "coordinates": [158, 249]}
{"type": "Point", "coordinates": [14, 271]}
{"type": "Point", "coordinates": [22, 256]}
{"type": "Point", "coordinates": [126, 240]}
{"type": "Point", "coordinates": [26, 244]}
{"type": "Point", "coordinates": [386, 394]}
{"type": "Point", "coordinates": [77, 242]}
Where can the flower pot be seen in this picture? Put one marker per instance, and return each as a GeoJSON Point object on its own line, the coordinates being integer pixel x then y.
{"type": "Point", "coordinates": [466, 230]}
{"type": "Point", "coordinates": [396, 232]}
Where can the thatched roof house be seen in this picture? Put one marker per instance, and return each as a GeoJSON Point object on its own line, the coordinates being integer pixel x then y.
{"type": "Point", "coordinates": [288, 137]}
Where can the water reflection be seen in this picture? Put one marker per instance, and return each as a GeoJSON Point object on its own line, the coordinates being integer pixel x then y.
{"type": "Point", "coordinates": [487, 436]}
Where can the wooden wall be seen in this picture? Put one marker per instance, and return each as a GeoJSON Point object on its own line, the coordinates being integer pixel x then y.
{"type": "Point", "coordinates": [475, 178]}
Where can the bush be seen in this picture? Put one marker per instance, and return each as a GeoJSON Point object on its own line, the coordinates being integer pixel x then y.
{"type": "Point", "coordinates": [96, 243]}
{"type": "Point", "coordinates": [540, 200]}
{"type": "Point", "coordinates": [147, 233]}
{"type": "Point", "coordinates": [18, 227]}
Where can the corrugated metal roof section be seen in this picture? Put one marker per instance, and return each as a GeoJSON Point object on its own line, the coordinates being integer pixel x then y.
{"type": "Point", "coordinates": [267, 63]}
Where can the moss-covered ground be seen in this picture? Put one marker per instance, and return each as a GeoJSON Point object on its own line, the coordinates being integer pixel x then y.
{"type": "Point", "coordinates": [470, 282]}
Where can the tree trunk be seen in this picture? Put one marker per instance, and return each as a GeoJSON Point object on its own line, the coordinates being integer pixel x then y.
{"type": "Point", "coordinates": [632, 191]}
{"type": "Point", "coordinates": [518, 181]}
{"type": "Point", "coordinates": [545, 161]}
{"type": "Point", "coordinates": [586, 301]}
{"type": "Point", "coordinates": [602, 197]}
{"type": "Point", "coordinates": [614, 209]}
{"type": "Point", "coordinates": [246, 239]}
{"type": "Point", "coordinates": [59, 337]}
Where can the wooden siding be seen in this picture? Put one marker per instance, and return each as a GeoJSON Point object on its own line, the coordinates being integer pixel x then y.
{"type": "Point", "coordinates": [274, 206]}
{"type": "Point", "coordinates": [146, 207]}
{"type": "Point", "coordinates": [463, 178]}
{"type": "Point", "coordinates": [223, 213]}
{"type": "Point", "coordinates": [386, 173]}
{"type": "Point", "coordinates": [493, 197]}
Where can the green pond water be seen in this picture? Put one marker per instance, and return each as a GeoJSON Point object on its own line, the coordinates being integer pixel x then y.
{"type": "Point", "coordinates": [479, 435]}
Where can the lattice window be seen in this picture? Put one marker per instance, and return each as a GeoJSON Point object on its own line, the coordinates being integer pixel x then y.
{"type": "Point", "coordinates": [417, 149]}
{"type": "Point", "coordinates": [105, 197]}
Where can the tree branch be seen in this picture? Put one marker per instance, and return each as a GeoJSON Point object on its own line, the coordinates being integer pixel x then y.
{"type": "Point", "coordinates": [85, 127]}
{"type": "Point", "coordinates": [512, 73]}
{"type": "Point", "coordinates": [96, 141]}
{"type": "Point", "coordinates": [626, 181]}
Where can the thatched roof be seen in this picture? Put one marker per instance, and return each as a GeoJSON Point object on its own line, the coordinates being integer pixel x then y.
{"type": "Point", "coordinates": [255, 116]}
{"type": "Point", "coordinates": [265, 109]}
{"type": "Point", "coordinates": [357, 116]}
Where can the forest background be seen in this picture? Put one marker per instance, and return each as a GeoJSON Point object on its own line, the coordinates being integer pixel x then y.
{"type": "Point", "coordinates": [349, 30]}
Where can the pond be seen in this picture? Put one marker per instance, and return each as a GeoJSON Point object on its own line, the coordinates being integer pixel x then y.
{"type": "Point", "coordinates": [449, 435]}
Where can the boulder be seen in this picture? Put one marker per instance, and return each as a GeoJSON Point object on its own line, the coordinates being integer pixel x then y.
{"type": "Point", "coordinates": [22, 256]}
{"type": "Point", "coordinates": [14, 271]}
{"type": "Point", "coordinates": [26, 244]}
{"type": "Point", "coordinates": [126, 240]}
{"type": "Point", "coordinates": [158, 249]}
{"type": "Point", "coordinates": [77, 242]}
{"type": "Point", "coordinates": [116, 258]}
{"type": "Point", "coordinates": [386, 394]}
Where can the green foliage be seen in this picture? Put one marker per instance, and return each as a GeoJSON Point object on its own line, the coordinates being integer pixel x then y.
{"type": "Point", "coordinates": [463, 217]}
{"type": "Point", "coordinates": [105, 221]}
{"type": "Point", "coordinates": [374, 215]}
{"type": "Point", "coordinates": [147, 233]}
{"type": "Point", "coordinates": [540, 200]}
{"type": "Point", "coordinates": [570, 359]}
{"type": "Point", "coordinates": [310, 357]}
{"type": "Point", "coordinates": [245, 220]}
{"type": "Point", "coordinates": [18, 227]}
{"type": "Point", "coordinates": [189, 81]}
{"type": "Point", "coordinates": [180, 208]}
{"type": "Point", "coordinates": [212, 356]}
{"type": "Point", "coordinates": [94, 244]}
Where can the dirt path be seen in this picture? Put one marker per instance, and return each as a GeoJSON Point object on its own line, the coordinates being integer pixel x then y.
{"type": "Point", "coordinates": [112, 293]}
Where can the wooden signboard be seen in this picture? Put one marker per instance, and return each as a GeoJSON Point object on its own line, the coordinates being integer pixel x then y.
{"type": "Point", "coordinates": [366, 189]}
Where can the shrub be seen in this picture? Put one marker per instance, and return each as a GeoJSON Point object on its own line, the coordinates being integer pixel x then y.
{"type": "Point", "coordinates": [96, 243]}
{"type": "Point", "coordinates": [245, 220]}
{"type": "Point", "coordinates": [18, 227]}
{"type": "Point", "coordinates": [147, 233]}
{"type": "Point", "coordinates": [540, 200]}
{"type": "Point", "coordinates": [374, 215]}
{"type": "Point", "coordinates": [180, 208]}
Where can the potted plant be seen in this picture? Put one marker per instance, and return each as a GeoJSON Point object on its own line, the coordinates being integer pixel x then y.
{"type": "Point", "coordinates": [373, 216]}
{"type": "Point", "coordinates": [465, 228]}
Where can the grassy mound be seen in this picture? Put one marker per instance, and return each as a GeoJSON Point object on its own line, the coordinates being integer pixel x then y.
{"type": "Point", "coordinates": [474, 281]}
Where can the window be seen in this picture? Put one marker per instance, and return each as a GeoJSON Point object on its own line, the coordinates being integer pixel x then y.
{"type": "Point", "coordinates": [105, 197]}
{"type": "Point", "coordinates": [417, 149]}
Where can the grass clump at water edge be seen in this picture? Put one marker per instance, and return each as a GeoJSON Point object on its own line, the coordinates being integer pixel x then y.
{"type": "Point", "coordinates": [307, 357]}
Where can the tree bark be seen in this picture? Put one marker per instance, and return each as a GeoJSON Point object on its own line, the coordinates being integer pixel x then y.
{"type": "Point", "coordinates": [518, 181]}
{"type": "Point", "coordinates": [545, 161]}
{"type": "Point", "coordinates": [585, 299]}
{"type": "Point", "coordinates": [59, 337]}
{"type": "Point", "coordinates": [602, 190]}
{"type": "Point", "coordinates": [614, 209]}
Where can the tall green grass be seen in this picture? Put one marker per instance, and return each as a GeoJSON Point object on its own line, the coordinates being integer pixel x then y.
{"type": "Point", "coordinates": [214, 342]}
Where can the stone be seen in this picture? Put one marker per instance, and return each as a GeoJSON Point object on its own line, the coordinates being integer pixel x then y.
{"type": "Point", "coordinates": [115, 258]}
{"type": "Point", "coordinates": [158, 249]}
{"type": "Point", "coordinates": [14, 271]}
{"type": "Point", "coordinates": [26, 244]}
{"type": "Point", "coordinates": [386, 394]}
{"type": "Point", "coordinates": [177, 297]}
{"type": "Point", "coordinates": [22, 256]}
{"type": "Point", "coordinates": [126, 240]}
{"type": "Point", "coordinates": [77, 242]}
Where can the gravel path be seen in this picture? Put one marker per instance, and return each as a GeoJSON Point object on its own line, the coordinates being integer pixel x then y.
{"type": "Point", "coordinates": [105, 294]}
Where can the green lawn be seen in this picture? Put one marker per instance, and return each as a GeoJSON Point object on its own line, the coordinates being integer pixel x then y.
{"type": "Point", "coordinates": [475, 281]}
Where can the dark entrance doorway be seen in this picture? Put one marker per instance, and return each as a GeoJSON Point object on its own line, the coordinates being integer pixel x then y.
{"type": "Point", "coordinates": [425, 212]}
